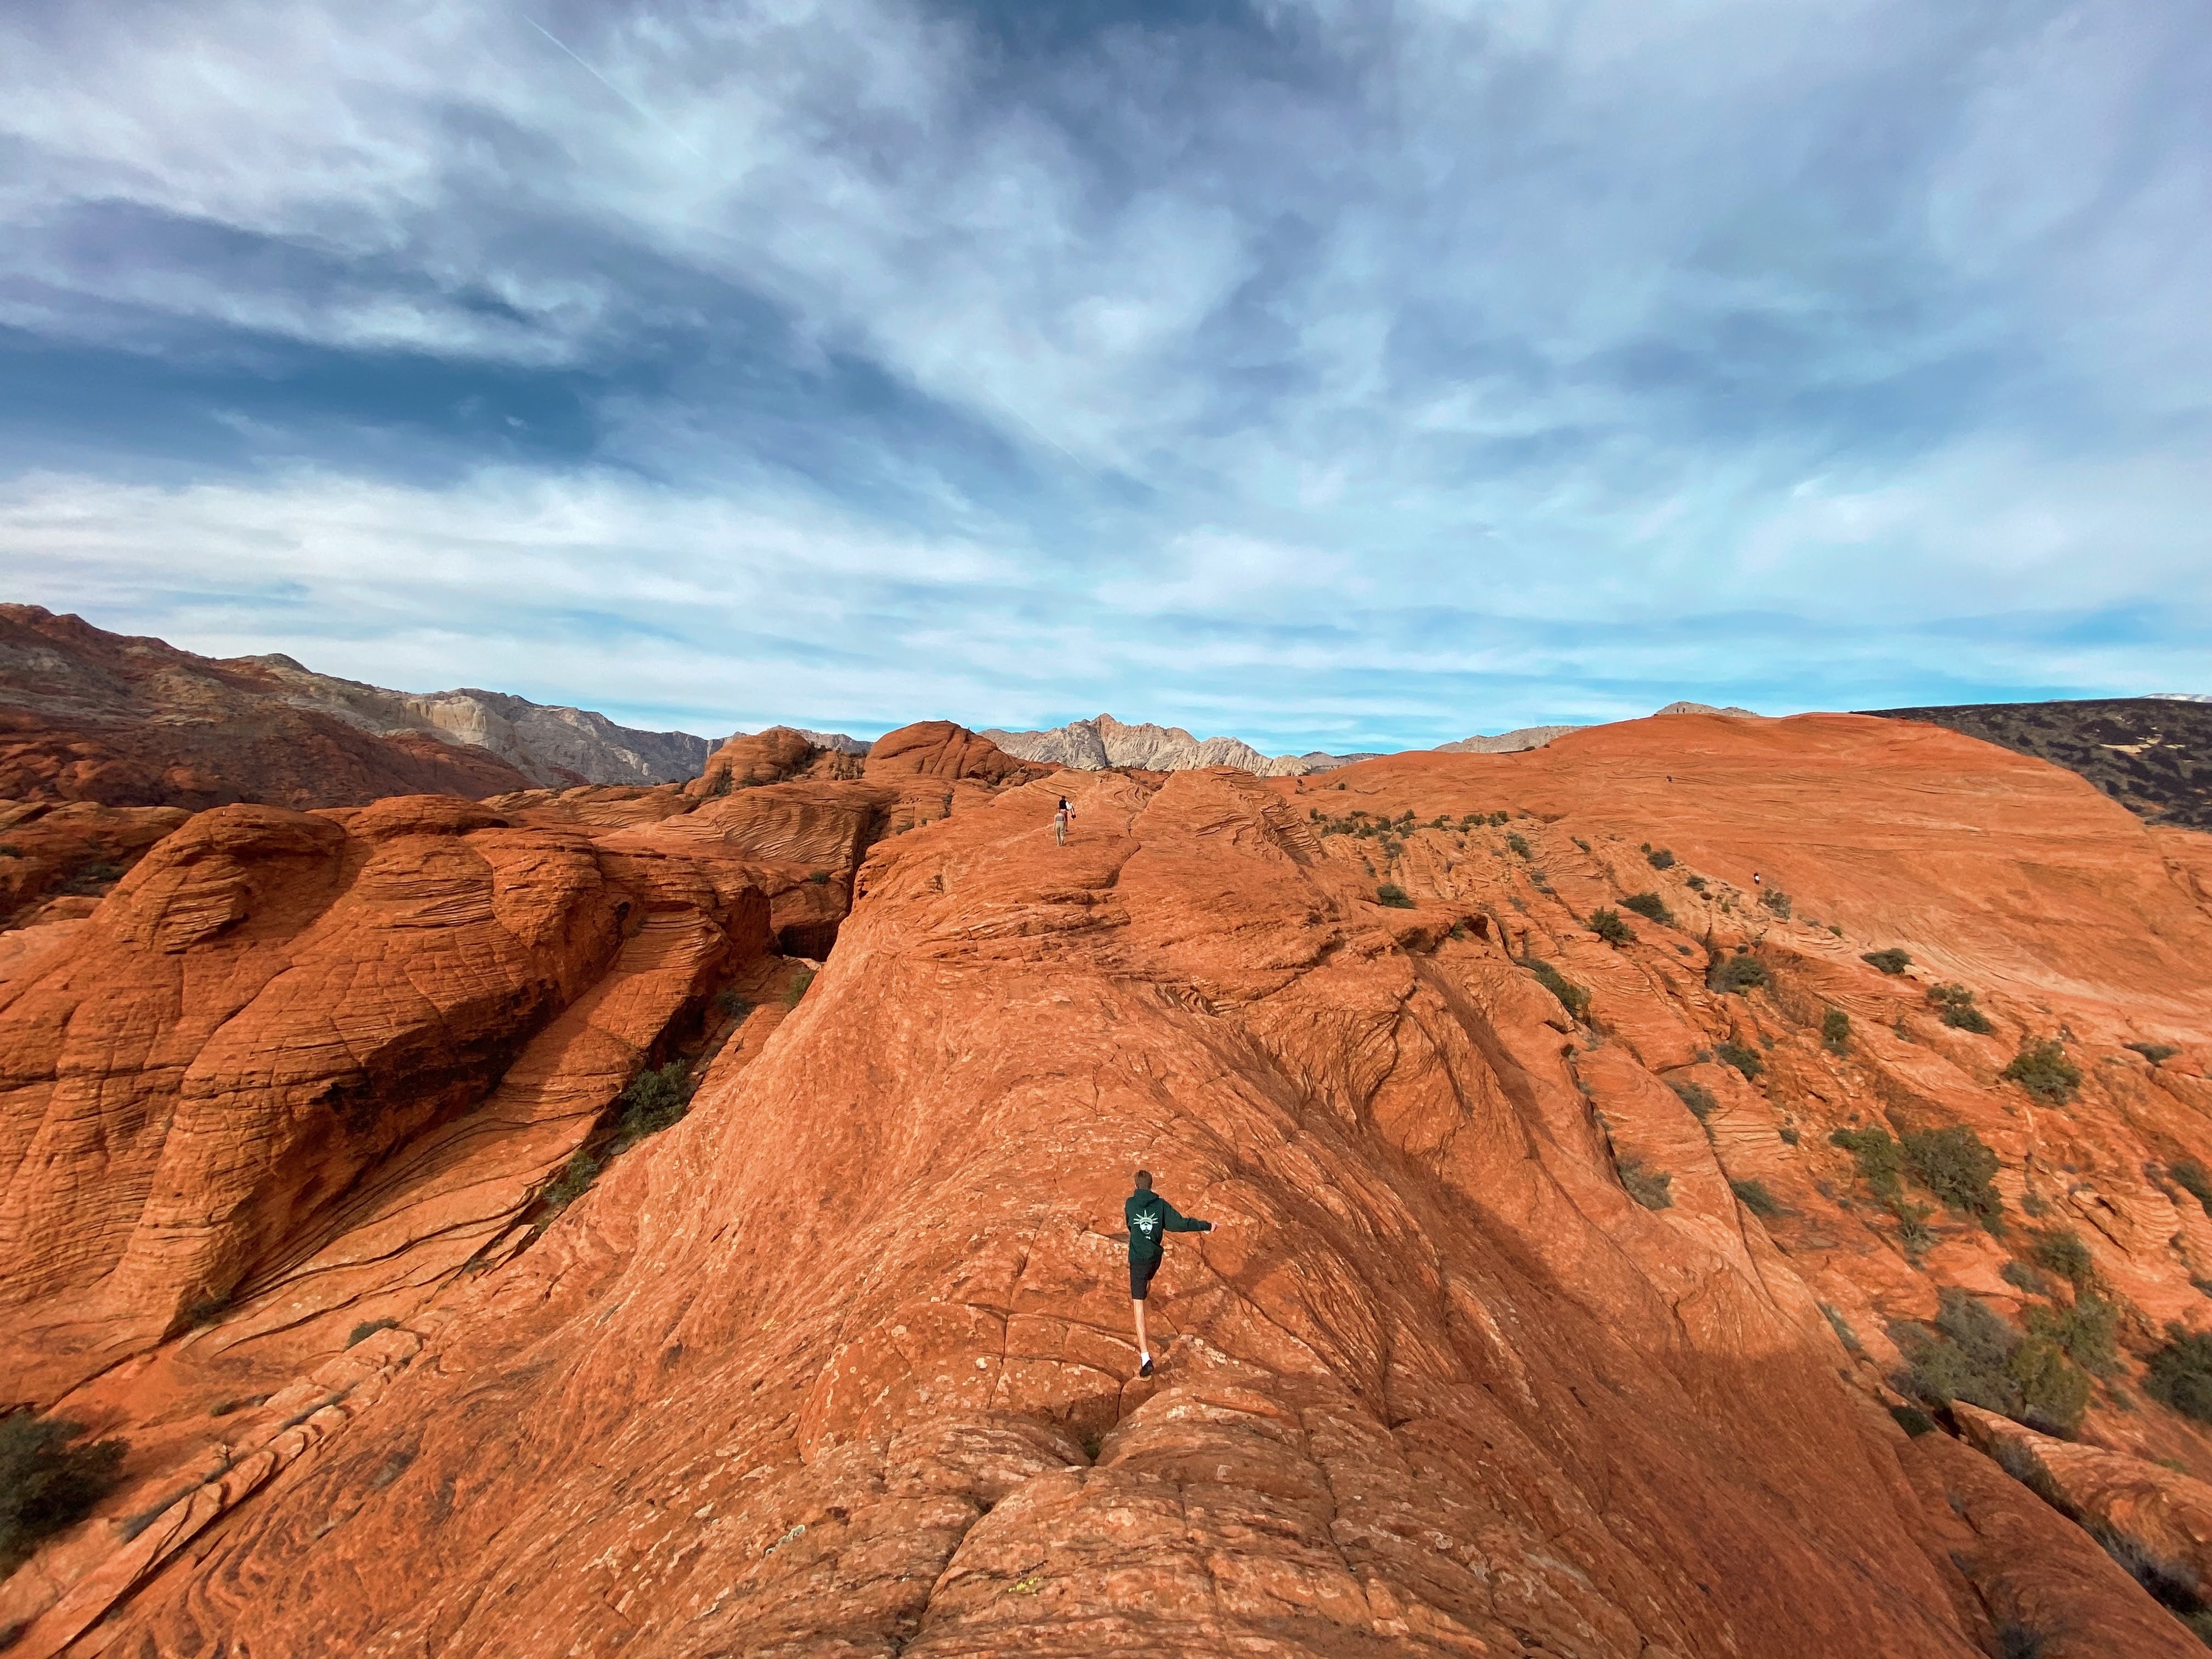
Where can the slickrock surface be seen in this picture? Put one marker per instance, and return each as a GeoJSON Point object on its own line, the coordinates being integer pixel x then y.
{"type": "Point", "coordinates": [58, 861]}
{"type": "Point", "coordinates": [841, 1363]}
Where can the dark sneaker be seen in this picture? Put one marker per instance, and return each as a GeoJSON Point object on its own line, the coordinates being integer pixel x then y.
{"type": "Point", "coordinates": [1145, 1370]}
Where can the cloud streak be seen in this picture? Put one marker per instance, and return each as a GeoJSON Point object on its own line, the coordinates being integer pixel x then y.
{"type": "Point", "coordinates": [1336, 376]}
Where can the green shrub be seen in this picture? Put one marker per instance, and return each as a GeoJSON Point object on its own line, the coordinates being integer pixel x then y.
{"type": "Point", "coordinates": [1659, 858]}
{"type": "Point", "coordinates": [1572, 997]}
{"type": "Point", "coordinates": [1391, 894]}
{"type": "Point", "coordinates": [1514, 840]}
{"type": "Point", "coordinates": [653, 1101]}
{"type": "Point", "coordinates": [1956, 1004]}
{"type": "Point", "coordinates": [730, 1005]}
{"type": "Point", "coordinates": [2087, 1332]}
{"type": "Point", "coordinates": [1746, 1060]}
{"type": "Point", "coordinates": [574, 1180]}
{"type": "Point", "coordinates": [1954, 1164]}
{"type": "Point", "coordinates": [1890, 962]}
{"type": "Point", "coordinates": [1695, 1096]}
{"type": "Point", "coordinates": [1974, 1355]}
{"type": "Point", "coordinates": [2044, 1071]}
{"type": "Point", "coordinates": [1648, 1187]}
{"type": "Point", "coordinates": [1836, 1031]}
{"type": "Point", "coordinates": [369, 1328]}
{"type": "Point", "coordinates": [819, 877]}
{"type": "Point", "coordinates": [1880, 1161]}
{"type": "Point", "coordinates": [2155, 1053]}
{"type": "Point", "coordinates": [1609, 927]}
{"type": "Point", "coordinates": [2062, 1251]}
{"type": "Point", "coordinates": [1788, 1134]}
{"type": "Point", "coordinates": [1736, 973]}
{"type": "Point", "coordinates": [47, 1483]}
{"type": "Point", "coordinates": [2190, 1177]}
{"type": "Point", "coordinates": [1695, 883]}
{"type": "Point", "coordinates": [1844, 1334]}
{"type": "Point", "coordinates": [1777, 901]}
{"type": "Point", "coordinates": [795, 991]}
{"type": "Point", "coordinates": [1651, 907]}
{"type": "Point", "coordinates": [2178, 1373]}
{"type": "Point", "coordinates": [1754, 1197]}
{"type": "Point", "coordinates": [2023, 1276]}
{"type": "Point", "coordinates": [1914, 1421]}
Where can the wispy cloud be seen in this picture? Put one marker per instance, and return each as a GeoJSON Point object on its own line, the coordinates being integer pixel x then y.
{"type": "Point", "coordinates": [1328, 374]}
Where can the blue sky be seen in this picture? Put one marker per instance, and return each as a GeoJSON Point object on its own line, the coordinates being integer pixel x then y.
{"type": "Point", "coordinates": [1336, 375]}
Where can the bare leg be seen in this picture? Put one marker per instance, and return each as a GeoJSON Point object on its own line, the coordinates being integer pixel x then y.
{"type": "Point", "coordinates": [1143, 1347]}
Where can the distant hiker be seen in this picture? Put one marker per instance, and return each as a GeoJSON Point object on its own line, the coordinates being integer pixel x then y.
{"type": "Point", "coordinates": [1151, 1217]}
{"type": "Point", "coordinates": [1754, 878]}
{"type": "Point", "coordinates": [1060, 821]}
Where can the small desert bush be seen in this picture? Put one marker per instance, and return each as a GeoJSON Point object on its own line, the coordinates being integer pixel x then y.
{"type": "Point", "coordinates": [2044, 1071]}
{"type": "Point", "coordinates": [1777, 901]}
{"type": "Point", "coordinates": [1788, 1134]}
{"type": "Point", "coordinates": [1914, 1421]}
{"type": "Point", "coordinates": [47, 1482]}
{"type": "Point", "coordinates": [1841, 1326]}
{"type": "Point", "coordinates": [2063, 1252]}
{"type": "Point", "coordinates": [1956, 1166]}
{"type": "Point", "coordinates": [2155, 1053]}
{"type": "Point", "coordinates": [1956, 1005]}
{"type": "Point", "coordinates": [2087, 1332]}
{"type": "Point", "coordinates": [730, 1005]}
{"type": "Point", "coordinates": [1391, 894]}
{"type": "Point", "coordinates": [1695, 883]}
{"type": "Point", "coordinates": [1659, 858]}
{"type": "Point", "coordinates": [1880, 1161]}
{"type": "Point", "coordinates": [653, 1101]}
{"type": "Point", "coordinates": [2179, 1373]}
{"type": "Point", "coordinates": [1648, 1187]}
{"type": "Point", "coordinates": [1572, 997]}
{"type": "Point", "coordinates": [1698, 1098]}
{"type": "Point", "coordinates": [574, 1180]}
{"type": "Point", "coordinates": [1737, 974]}
{"type": "Point", "coordinates": [1973, 1354]}
{"type": "Point", "coordinates": [2022, 1276]}
{"type": "Point", "coordinates": [2190, 1177]}
{"type": "Point", "coordinates": [1890, 962]}
{"type": "Point", "coordinates": [369, 1328]}
{"type": "Point", "coordinates": [1513, 839]}
{"type": "Point", "coordinates": [1650, 906]}
{"type": "Point", "coordinates": [1754, 1197]}
{"type": "Point", "coordinates": [1609, 927]}
{"type": "Point", "coordinates": [795, 992]}
{"type": "Point", "coordinates": [1746, 1060]}
{"type": "Point", "coordinates": [1836, 1030]}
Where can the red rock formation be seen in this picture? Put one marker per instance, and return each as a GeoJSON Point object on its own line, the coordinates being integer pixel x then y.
{"type": "Point", "coordinates": [55, 862]}
{"type": "Point", "coordinates": [842, 1363]}
{"type": "Point", "coordinates": [86, 716]}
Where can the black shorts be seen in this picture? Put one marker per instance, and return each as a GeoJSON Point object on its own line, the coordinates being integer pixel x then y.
{"type": "Point", "coordinates": [1140, 1276]}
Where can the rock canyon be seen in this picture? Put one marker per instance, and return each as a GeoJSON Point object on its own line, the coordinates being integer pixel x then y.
{"type": "Point", "coordinates": [1704, 1186]}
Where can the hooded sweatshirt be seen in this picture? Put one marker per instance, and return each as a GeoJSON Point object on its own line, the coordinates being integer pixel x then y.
{"type": "Point", "coordinates": [1150, 1218]}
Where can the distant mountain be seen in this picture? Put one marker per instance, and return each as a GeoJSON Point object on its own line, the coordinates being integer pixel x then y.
{"type": "Point", "coordinates": [1702, 708]}
{"type": "Point", "coordinates": [1092, 745]}
{"type": "Point", "coordinates": [1507, 743]}
{"type": "Point", "coordinates": [2153, 755]}
{"type": "Point", "coordinates": [837, 740]}
{"type": "Point", "coordinates": [88, 715]}
{"type": "Point", "coordinates": [552, 745]}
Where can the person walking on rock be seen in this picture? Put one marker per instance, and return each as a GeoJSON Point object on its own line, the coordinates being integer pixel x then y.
{"type": "Point", "coordinates": [1060, 821]}
{"type": "Point", "coordinates": [1151, 1219]}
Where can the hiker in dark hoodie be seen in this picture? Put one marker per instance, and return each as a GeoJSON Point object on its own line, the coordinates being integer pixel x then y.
{"type": "Point", "coordinates": [1151, 1219]}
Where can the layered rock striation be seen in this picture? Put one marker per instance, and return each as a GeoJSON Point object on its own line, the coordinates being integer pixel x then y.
{"type": "Point", "coordinates": [1544, 1315]}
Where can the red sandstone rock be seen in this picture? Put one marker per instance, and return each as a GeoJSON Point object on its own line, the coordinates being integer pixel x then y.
{"type": "Point", "coordinates": [70, 855]}
{"type": "Point", "coordinates": [842, 1363]}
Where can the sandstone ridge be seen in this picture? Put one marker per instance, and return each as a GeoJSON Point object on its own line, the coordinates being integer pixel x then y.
{"type": "Point", "coordinates": [840, 1362]}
